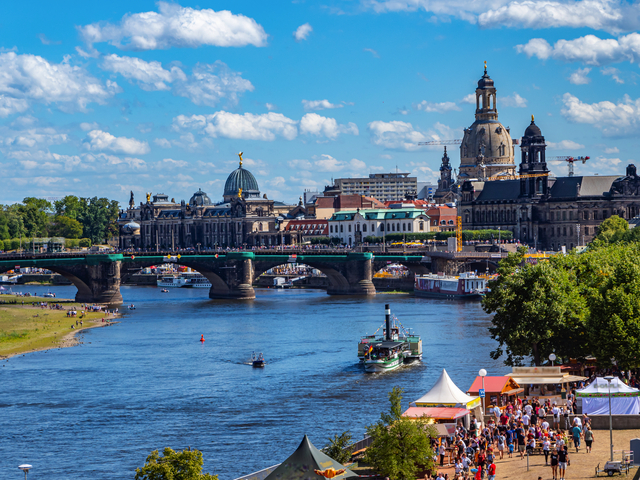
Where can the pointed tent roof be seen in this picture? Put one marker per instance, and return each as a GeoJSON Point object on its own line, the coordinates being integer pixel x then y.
{"type": "Point", "coordinates": [600, 388]}
{"type": "Point", "coordinates": [302, 463]}
{"type": "Point", "coordinates": [444, 392]}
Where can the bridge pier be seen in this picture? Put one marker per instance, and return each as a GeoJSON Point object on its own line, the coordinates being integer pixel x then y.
{"type": "Point", "coordinates": [237, 280]}
{"type": "Point", "coordinates": [358, 273]}
{"type": "Point", "coordinates": [98, 281]}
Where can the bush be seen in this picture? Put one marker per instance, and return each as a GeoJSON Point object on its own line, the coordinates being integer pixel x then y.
{"type": "Point", "coordinates": [71, 242]}
{"type": "Point", "coordinates": [1, 245]}
{"type": "Point", "coordinates": [84, 242]}
{"type": "Point", "coordinates": [15, 243]}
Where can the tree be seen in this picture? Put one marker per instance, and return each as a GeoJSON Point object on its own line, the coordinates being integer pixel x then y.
{"type": "Point", "coordinates": [172, 465]}
{"type": "Point", "coordinates": [98, 218]}
{"type": "Point", "coordinates": [401, 446]}
{"type": "Point", "coordinates": [538, 310]}
{"type": "Point", "coordinates": [65, 227]}
{"type": "Point", "coordinates": [70, 206]}
{"type": "Point", "coordinates": [611, 230]}
{"type": "Point", "coordinates": [339, 447]}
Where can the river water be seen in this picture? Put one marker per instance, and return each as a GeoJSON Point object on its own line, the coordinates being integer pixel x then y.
{"type": "Point", "coordinates": [97, 410]}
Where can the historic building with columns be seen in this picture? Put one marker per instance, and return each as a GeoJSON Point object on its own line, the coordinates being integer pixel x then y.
{"type": "Point", "coordinates": [242, 218]}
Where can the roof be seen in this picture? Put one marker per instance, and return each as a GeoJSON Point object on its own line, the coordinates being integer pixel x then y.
{"type": "Point", "coordinates": [379, 214]}
{"type": "Point", "coordinates": [308, 227]}
{"type": "Point", "coordinates": [240, 178]}
{"type": "Point", "coordinates": [438, 413]}
{"type": "Point", "coordinates": [302, 463]}
{"type": "Point", "coordinates": [444, 392]}
{"type": "Point", "coordinates": [573, 187]}
{"type": "Point", "coordinates": [600, 388]}
{"type": "Point", "coordinates": [499, 190]}
{"type": "Point", "coordinates": [493, 385]}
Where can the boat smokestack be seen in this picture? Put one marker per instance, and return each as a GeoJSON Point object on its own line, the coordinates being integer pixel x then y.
{"type": "Point", "coordinates": [387, 318]}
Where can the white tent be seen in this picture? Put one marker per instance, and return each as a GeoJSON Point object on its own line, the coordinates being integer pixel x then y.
{"type": "Point", "coordinates": [445, 393]}
{"type": "Point", "coordinates": [595, 398]}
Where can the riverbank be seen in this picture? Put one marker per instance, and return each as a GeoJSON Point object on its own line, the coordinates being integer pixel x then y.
{"type": "Point", "coordinates": [26, 328]}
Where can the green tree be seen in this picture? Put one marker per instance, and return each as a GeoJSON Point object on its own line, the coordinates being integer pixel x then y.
{"type": "Point", "coordinates": [66, 227]}
{"type": "Point", "coordinates": [98, 218]}
{"type": "Point", "coordinates": [1, 245]}
{"type": "Point", "coordinates": [70, 206]}
{"type": "Point", "coordinates": [401, 446]}
{"type": "Point", "coordinates": [339, 447]}
{"type": "Point", "coordinates": [611, 230]}
{"type": "Point", "coordinates": [173, 465]}
{"type": "Point", "coordinates": [538, 310]}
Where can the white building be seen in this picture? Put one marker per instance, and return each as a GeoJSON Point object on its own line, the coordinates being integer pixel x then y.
{"type": "Point", "coordinates": [353, 226]}
{"type": "Point", "coordinates": [381, 186]}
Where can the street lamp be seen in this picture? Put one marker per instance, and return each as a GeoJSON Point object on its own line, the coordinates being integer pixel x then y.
{"type": "Point", "coordinates": [552, 357]}
{"type": "Point", "coordinates": [608, 379]}
{"type": "Point", "coordinates": [483, 373]}
{"type": "Point", "coordinates": [25, 468]}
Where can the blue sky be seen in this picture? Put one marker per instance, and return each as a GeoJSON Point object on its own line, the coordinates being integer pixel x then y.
{"type": "Point", "coordinates": [101, 98]}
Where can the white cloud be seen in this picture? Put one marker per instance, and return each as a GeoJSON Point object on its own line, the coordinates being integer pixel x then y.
{"type": "Point", "coordinates": [589, 49]}
{"type": "Point", "coordinates": [86, 126]}
{"type": "Point", "coordinates": [314, 124]}
{"type": "Point", "coordinates": [302, 32]}
{"type": "Point", "coordinates": [162, 142]}
{"type": "Point", "coordinates": [613, 73]}
{"type": "Point", "coordinates": [612, 118]}
{"type": "Point", "coordinates": [29, 78]}
{"type": "Point", "coordinates": [470, 98]}
{"type": "Point", "coordinates": [565, 145]}
{"type": "Point", "coordinates": [514, 100]}
{"type": "Point", "coordinates": [609, 15]}
{"type": "Point", "coordinates": [319, 105]}
{"type": "Point", "coordinates": [579, 77]}
{"type": "Point", "coordinates": [326, 163]}
{"type": "Point", "coordinates": [149, 75]}
{"type": "Point", "coordinates": [240, 126]}
{"type": "Point", "coordinates": [210, 83]}
{"type": "Point", "coordinates": [100, 140]}
{"type": "Point", "coordinates": [441, 107]}
{"type": "Point", "coordinates": [611, 150]}
{"type": "Point", "coordinates": [271, 106]}
{"type": "Point", "coordinates": [372, 52]}
{"type": "Point", "coordinates": [174, 163]}
{"type": "Point", "coordinates": [176, 26]}
{"type": "Point", "coordinates": [395, 134]}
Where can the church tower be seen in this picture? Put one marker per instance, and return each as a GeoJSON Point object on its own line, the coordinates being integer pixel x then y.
{"type": "Point", "coordinates": [486, 150]}
{"type": "Point", "coordinates": [443, 193]}
{"type": "Point", "coordinates": [533, 150]}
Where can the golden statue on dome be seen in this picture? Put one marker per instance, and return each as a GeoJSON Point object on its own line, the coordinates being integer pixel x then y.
{"type": "Point", "coordinates": [240, 190]}
{"type": "Point", "coordinates": [240, 155]}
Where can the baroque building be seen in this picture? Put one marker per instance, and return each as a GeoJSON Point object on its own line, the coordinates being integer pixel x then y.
{"type": "Point", "coordinates": [544, 211]}
{"type": "Point", "coordinates": [243, 218]}
{"type": "Point", "coordinates": [486, 149]}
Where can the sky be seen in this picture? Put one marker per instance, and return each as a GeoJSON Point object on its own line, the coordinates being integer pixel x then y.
{"type": "Point", "coordinates": [103, 98]}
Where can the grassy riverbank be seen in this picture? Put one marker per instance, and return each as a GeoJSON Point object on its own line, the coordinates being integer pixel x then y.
{"type": "Point", "coordinates": [27, 328]}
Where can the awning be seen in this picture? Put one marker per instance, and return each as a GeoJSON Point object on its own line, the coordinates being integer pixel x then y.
{"type": "Point", "coordinates": [542, 380]}
{"type": "Point", "coordinates": [445, 430]}
{"type": "Point", "coordinates": [437, 413]}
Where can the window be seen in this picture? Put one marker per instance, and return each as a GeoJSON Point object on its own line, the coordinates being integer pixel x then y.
{"type": "Point", "coordinates": [341, 228]}
{"type": "Point", "coordinates": [331, 228]}
{"type": "Point", "coordinates": [349, 228]}
{"type": "Point", "coordinates": [409, 227]}
{"type": "Point", "coordinates": [364, 227]}
{"type": "Point", "coordinates": [404, 227]}
{"type": "Point", "coordinates": [421, 226]}
{"type": "Point", "coordinates": [585, 215]}
{"type": "Point", "coordinates": [564, 215]}
{"type": "Point", "coordinates": [398, 227]}
{"type": "Point", "coordinates": [595, 215]}
{"type": "Point", "coordinates": [564, 231]}
{"type": "Point", "coordinates": [586, 230]}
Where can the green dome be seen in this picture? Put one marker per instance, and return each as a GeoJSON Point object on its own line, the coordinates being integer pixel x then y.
{"type": "Point", "coordinates": [241, 179]}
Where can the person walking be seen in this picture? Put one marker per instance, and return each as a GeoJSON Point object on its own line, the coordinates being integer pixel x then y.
{"type": "Point", "coordinates": [492, 471]}
{"type": "Point", "coordinates": [563, 461]}
{"type": "Point", "coordinates": [567, 422]}
{"type": "Point", "coordinates": [554, 464]}
{"type": "Point", "coordinates": [442, 452]}
{"type": "Point", "coordinates": [546, 446]}
{"type": "Point", "coordinates": [576, 431]}
{"type": "Point", "coordinates": [588, 438]}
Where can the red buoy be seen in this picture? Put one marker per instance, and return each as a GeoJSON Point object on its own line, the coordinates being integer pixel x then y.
{"type": "Point", "coordinates": [202, 338]}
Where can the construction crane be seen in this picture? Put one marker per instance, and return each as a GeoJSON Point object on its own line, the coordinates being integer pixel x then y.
{"type": "Point", "coordinates": [458, 141]}
{"type": "Point", "coordinates": [459, 233]}
{"type": "Point", "coordinates": [570, 161]}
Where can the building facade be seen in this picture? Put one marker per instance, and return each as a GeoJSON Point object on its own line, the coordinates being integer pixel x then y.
{"type": "Point", "coordinates": [544, 211]}
{"type": "Point", "coordinates": [242, 218]}
{"type": "Point", "coordinates": [381, 186]}
{"type": "Point", "coordinates": [353, 226]}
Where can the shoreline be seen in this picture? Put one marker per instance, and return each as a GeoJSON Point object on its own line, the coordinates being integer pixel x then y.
{"type": "Point", "coordinates": [70, 338]}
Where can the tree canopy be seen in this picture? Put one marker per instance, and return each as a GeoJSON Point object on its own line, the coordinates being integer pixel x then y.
{"type": "Point", "coordinates": [173, 465]}
{"type": "Point", "coordinates": [339, 447]}
{"type": "Point", "coordinates": [574, 305]}
{"type": "Point", "coordinates": [401, 446]}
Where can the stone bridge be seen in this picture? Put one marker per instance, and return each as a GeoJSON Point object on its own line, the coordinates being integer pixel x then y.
{"type": "Point", "coordinates": [98, 276]}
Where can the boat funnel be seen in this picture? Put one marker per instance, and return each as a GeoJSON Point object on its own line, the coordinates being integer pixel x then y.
{"type": "Point", "coordinates": [387, 318]}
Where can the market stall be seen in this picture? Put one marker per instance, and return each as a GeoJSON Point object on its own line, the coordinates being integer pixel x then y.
{"type": "Point", "coordinates": [498, 390]}
{"type": "Point", "coordinates": [595, 398]}
{"type": "Point", "coordinates": [546, 383]}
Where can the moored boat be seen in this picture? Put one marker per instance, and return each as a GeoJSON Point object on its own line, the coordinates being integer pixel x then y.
{"type": "Point", "coordinates": [171, 281]}
{"type": "Point", "coordinates": [195, 280]}
{"type": "Point", "coordinates": [466, 286]}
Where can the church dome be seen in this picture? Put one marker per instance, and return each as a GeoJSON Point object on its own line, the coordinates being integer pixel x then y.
{"type": "Point", "coordinates": [131, 227]}
{"type": "Point", "coordinates": [243, 179]}
{"type": "Point", "coordinates": [485, 81]}
{"type": "Point", "coordinates": [200, 199]}
{"type": "Point", "coordinates": [532, 130]}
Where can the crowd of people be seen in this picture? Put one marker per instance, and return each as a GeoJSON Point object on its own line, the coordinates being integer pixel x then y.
{"type": "Point", "coordinates": [521, 428]}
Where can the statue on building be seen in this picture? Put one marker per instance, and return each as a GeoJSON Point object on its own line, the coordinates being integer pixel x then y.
{"type": "Point", "coordinates": [131, 202]}
{"type": "Point", "coordinates": [148, 197]}
{"type": "Point", "coordinates": [240, 155]}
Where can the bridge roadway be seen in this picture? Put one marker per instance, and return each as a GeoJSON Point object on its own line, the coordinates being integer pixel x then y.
{"type": "Point", "coordinates": [98, 276]}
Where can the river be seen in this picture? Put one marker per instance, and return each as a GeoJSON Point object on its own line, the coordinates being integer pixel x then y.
{"type": "Point", "coordinates": [97, 410]}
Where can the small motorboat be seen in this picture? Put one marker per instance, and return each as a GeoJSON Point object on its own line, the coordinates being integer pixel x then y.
{"type": "Point", "coordinates": [164, 290]}
{"type": "Point", "coordinates": [257, 361]}
{"type": "Point", "coordinates": [132, 307]}
{"type": "Point", "coordinates": [49, 295]}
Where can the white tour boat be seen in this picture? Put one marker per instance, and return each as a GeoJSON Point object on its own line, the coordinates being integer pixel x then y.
{"type": "Point", "coordinates": [171, 281]}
